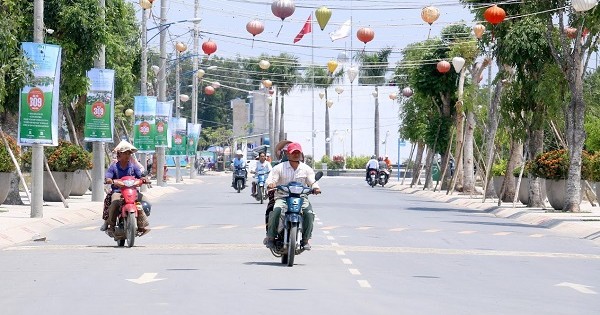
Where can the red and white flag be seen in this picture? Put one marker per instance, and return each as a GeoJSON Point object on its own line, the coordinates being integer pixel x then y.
{"type": "Point", "coordinates": [307, 28]}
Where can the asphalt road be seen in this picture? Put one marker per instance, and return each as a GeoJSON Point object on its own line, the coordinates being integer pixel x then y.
{"type": "Point", "coordinates": [375, 251]}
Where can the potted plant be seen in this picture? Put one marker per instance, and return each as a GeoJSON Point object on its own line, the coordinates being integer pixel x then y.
{"type": "Point", "coordinates": [498, 173]}
{"type": "Point", "coordinates": [63, 161]}
{"type": "Point", "coordinates": [7, 167]}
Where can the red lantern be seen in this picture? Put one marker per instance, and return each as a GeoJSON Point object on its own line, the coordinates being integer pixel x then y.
{"type": "Point", "coordinates": [571, 32]}
{"type": "Point", "coordinates": [494, 14]}
{"type": "Point", "coordinates": [209, 90]}
{"type": "Point", "coordinates": [443, 66]}
{"type": "Point", "coordinates": [255, 27]}
{"type": "Point", "coordinates": [209, 47]}
{"type": "Point", "coordinates": [365, 34]}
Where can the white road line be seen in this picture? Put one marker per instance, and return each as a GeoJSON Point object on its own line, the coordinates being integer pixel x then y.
{"type": "Point", "coordinates": [347, 261]}
{"type": "Point", "coordinates": [354, 272]}
{"type": "Point", "coordinates": [340, 253]}
{"type": "Point", "coordinates": [89, 228]}
{"type": "Point", "coordinates": [397, 230]}
{"type": "Point", "coordinates": [364, 283]}
{"type": "Point", "coordinates": [331, 238]}
{"type": "Point", "coordinates": [335, 244]}
{"type": "Point", "coordinates": [364, 228]}
{"type": "Point", "coordinates": [503, 233]}
{"type": "Point", "coordinates": [331, 227]}
{"type": "Point", "coordinates": [467, 232]}
{"type": "Point", "coordinates": [262, 226]}
{"type": "Point", "coordinates": [326, 232]}
{"type": "Point", "coordinates": [536, 235]}
{"type": "Point", "coordinates": [320, 223]}
{"type": "Point", "coordinates": [228, 226]}
{"type": "Point", "coordinates": [431, 231]}
{"type": "Point", "coordinates": [160, 227]}
{"type": "Point", "coordinates": [193, 227]}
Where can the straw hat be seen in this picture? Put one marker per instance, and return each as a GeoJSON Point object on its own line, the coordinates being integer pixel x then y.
{"type": "Point", "coordinates": [125, 146]}
{"type": "Point", "coordinates": [281, 146]}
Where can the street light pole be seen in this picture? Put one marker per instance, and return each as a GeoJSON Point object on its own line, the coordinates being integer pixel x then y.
{"type": "Point", "coordinates": [144, 81]}
{"type": "Point", "coordinates": [98, 146]}
{"type": "Point", "coordinates": [195, 86]}
{"type": "Point", "coordinates": [162, 88]}
{"type": "Point", "coordinates": [177, 113]}
{"type": "Point", "coordinates": [37, 156]}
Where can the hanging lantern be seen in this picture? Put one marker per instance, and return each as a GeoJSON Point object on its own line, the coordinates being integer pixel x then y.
{"type": "Point", "coordinates": [342, 57]}
{"type": "Point", "coordinates": [200, 73]}
{"type": "Point", "coordinates": [216, 85]}
{"type": "Point", "coordinates": [129, 112]}
{"type": "Point", "coordinates": [209, 90]}
{"type": "Point", "coordinates": [571, 32]}
{"type": "Point", "coordinates": [145, 4]}
{"type": "Point", "coordinates": [209, 47]}
{"type": "Point", "coordinates": [430, 14]}
{"type": "Point", "coordinates": [255, 27]}
{"type": "Point", "coordinates": [365, 34]}
{"type": "Point", "coordinates": [443, 66]}
{"type": "Point", "coordinates": [458, 63]}
{"type": "Point", "coordinates": [267, 83]}
{"type": "Point", "coordinates": [407, 92]}
{"type": "Point", "coordinates": [329, 103]}
{"type": "Point", "coordinates": [478, 29]}
{"type": "Point", "coordinates": [331, 66]}
{"type": "Point", "coordinates": [323, 15]}
{"type": "Point", "coordinates": [283, 8]}
{"type": "Point", "coordinates": [494, 14]}
{"type": "Point", "coordinates": [339, 90]}
{"type": "Point", "coordinates": [352, 73]}
{"type": "Point", "coordinates": [374, 94]}
{"type": "Point", "coordinates": [263, 64]}
{"type": "Point", "coordinates": [180, 47]}
{"type": "Point", "coordinates": [583, 5]}
{"type": "Point", "coordinates": [155, 69]}
{"type": "Point", "coordinates": [393, 96]}
{"type": "Point", "coordinates": [321, 95]}
{"type": "Point", "coordinates": [184, 97]}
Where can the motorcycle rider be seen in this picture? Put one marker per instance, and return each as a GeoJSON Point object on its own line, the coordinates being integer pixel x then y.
{"type": "Point", "coordinates": [262, 165]}
{"type": "Point", "coordinates": [123, 167]}
{"type": "Point", "coordinates": [238, 162]}
{"type": "Point", "coordinates": [383, 166]}
{"type": "Point", "coordinates": [282, 174]}
{"type": "Point", "coordinates": [373, 164]}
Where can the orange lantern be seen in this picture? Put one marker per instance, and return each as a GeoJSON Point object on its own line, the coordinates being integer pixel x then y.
{"type": "Point", "coordinates": [180, 47]}
{"type": "Point", "coordinates": [209, 90]}
{"type": "Point", "coordinates": [209, 47]}
{"type": "Point", "coordinates": [365, 34]}
{"type": "Point", "coordinates": [494, 14]}
{"type": "Point", "coordinates": [443, 66]}
{"type": "Point", "coordinates": [430, 14]}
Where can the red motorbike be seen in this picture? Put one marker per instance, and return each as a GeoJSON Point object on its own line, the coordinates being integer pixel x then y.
{"type": "Point", "coordinates": [131, 205]}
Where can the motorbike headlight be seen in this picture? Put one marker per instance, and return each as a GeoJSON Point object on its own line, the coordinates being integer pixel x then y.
{"type": "Point", "coordinates": [296, 189]}
{"type": "Point", "coordinates": [129, 182]}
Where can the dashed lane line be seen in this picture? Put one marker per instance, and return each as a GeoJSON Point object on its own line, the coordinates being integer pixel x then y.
{"type": "Point", "coordinates": [346, 261]}
{"type": "Point", "coordinates": [431, 231]}
{"type": "Point", "coordinates": [502, 233]}
{"type": "Point", "coordinates": [160, 227]}
{"type": "Point", "coordinates": [363, 283]}
{"type": "Point", "coordinates": [193, 227]}
{"type": "Point", "coordinates": [231, 226]}
{"type": "Point", "coordinates": [467, 232]}
{"type": "Point", "coordinates": [331, 238]}
{"type": "Point", "coordinates": [536, 235]}
{"type": "Point", "coordinates": [340, 253]}
{"type": "Point", "coordinates": [364, 228]}
{"type": "Point", "coordinates": [354, 271]}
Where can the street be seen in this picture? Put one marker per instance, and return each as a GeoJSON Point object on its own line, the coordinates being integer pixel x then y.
{"type": "Point", "coordinates": [374, 251]}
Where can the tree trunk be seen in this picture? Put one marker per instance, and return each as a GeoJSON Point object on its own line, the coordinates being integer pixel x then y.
{"type": "Point", "coordinates": [282, 120]}
{"type": "Point", "coordinates": [376, 122]}
{"type": "Point", "coordinates": [493, 119]}
{"type": "Point", "coordinates": [469, 173]}
{"type": "Point", "coordinates": [460, 116]}
{"type": "Point", "coordinates": [428, 167]}
{"type": "Point", "coordinates": [575, 139]}
{"type": "Point", "coordinates": [536, 146]}
{"type": "Point", "coordinates": [14, 197]}
{"type": "Point", "coordinates": [509, 183]}
{"type": "Point", "coordinates": [417, 165]}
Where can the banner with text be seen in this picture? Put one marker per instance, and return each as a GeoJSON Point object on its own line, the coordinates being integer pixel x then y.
{"type": "Point", "coordinates": [179, 138]}
{"type": "Point", "coordinates": [144, 129]}
{"type": "Point", "coordinates": [100, 106]}
{"type": "Point", "coordinates": [38, 100]}
{"type": "Point", "coordinates": [193, 135]}
{"type": "Point", "coordinates": [163, 113]}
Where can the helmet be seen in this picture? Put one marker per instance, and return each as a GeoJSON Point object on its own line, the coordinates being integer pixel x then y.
{"type": "Point", "coordinates": [293, 147]}
{"type": "Point", "coordinates": [125, 146]}
{"type": "Point", "coordinates": [146, 206]}
{"type": "Point", "coordinates": [239, 152]}
{"type": "Point", "coordinates": [373, 157]}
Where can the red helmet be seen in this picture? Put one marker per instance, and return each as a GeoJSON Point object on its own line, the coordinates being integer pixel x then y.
{"type": "Point", "coordinates": [294, 146]}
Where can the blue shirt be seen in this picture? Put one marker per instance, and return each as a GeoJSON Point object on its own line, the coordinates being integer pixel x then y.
{"type": "Point", "coordinates": [115, 171]}
{"type": "Point", "coordinates": [239, 163]}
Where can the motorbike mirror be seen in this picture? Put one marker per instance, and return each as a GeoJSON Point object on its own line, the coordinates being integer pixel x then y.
{"type": "Point", "coordinates": [318, 175]}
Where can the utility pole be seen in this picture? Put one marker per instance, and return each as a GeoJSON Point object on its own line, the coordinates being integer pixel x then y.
{"type": "Point", "coordinates": [177, 113]}
{"type": "Point", "coordinates": [37, 156]}
{"type": "Point", "coordinates": [162, 88]}
{"type": "Point", "coordinates": [144, 81]}
{"type": "Point", "coordinates": [192, 158]}
{"type": "Point", "coordinates": [98, 146]}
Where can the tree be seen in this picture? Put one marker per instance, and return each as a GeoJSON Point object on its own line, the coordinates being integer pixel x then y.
{"type": "Point", "coordinates": [373, 69]}
{"type": "Point", "coordinates": [285, 68]}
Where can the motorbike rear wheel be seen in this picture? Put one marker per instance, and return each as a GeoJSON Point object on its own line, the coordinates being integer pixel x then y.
{"type": "Point", "coordinates": [131, 229]}
{"type": "Point", "coordinates": [292, 245]}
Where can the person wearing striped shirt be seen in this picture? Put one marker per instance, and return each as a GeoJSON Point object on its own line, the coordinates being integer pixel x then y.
{"type": "Point", "coordinates": [282, 174]}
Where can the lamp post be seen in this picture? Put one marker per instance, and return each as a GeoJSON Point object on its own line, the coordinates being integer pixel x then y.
{"type": "Point", "coordinates": [180, 48]}
{"type": "Point", "coordinates": [384, 142]}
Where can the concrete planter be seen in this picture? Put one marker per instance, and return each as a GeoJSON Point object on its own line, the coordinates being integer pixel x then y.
{"type": "Point", "coordinates": [64, 180]}
{"type": "Point", "coordinates": [523, 190]}
{"type": "Point", "coordinates": [497, 180]}
{"type": "Point", "coordinates": [81, 183]}
{"type": "Point", "coordinates": [4, 186]}
{"type": "Point", "coordinates": [556, 191]}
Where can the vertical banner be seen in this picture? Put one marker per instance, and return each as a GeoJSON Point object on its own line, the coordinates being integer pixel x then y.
{"type": "Point", "coordinates": [38, 100]}
{"type": "Point", "coordinates": [163, 113]}
{"type": "Point", "coordinates": [179, 136]}
{"type": "Point", "coordinates": [193, 135]}
{"type": "Point", "coordinates": [144, 129]}
{"type": "Point", "coordinates": [100, 106]}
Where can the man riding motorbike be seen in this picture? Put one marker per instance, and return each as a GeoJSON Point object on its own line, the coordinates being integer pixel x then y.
{"type": "Point", "coordinates": [373, 164]}
{"type": "Point", "coordinates": [123, 167]}
{"type": "Point", "coordinates": [262, 165]}
{"type": "Point", "coordinates": [238, 162]}
{"type": "Point", "coordinates": [282, 174]}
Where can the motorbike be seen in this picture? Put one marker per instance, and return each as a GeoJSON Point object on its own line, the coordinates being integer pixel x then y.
{"type": "Point", "coordinates": [126, 225]}
{"type": "Point", "coordinates": [261, 189]}
{"type": "Point", "coordinates": [200, 163]}
{"type": "Point", "coordinates": [239, 181]}
{"type": "Point", "coordinates": [383, 177]}
{"type": "Point", "coordinates": [287, 242]}
{"type": "Point", "coordinates": [372, 179]}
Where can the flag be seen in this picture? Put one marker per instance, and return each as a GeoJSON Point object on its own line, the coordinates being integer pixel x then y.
{"type": "Point", "coordinates": [307, 28]}
{"type": "Point", "coordinates": [342, 32]}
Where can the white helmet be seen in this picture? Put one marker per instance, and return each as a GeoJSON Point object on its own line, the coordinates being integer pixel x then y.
{"type": "Point", "coordinates": [239, 152]}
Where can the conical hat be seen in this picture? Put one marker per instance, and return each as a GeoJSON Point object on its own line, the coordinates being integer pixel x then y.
{"type": "Point", "coordinates": [124, 146]}
{"type": "Point", "coordinates": [280, 146]}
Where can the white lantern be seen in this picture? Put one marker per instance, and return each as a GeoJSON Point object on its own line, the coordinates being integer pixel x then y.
{"type": "Point", "coordinates": [329, 103]}
{"type": "Point", "coordinates": [129, 112]}
{"type": "Point", "coordinates": [184, 97]}
{"type": "Point", "coordinates": [407, 92]}
{"type": "Point", "coordinates": [200, 73]}
{"type": "Point", "coordinates": [155, 69]}
{"type": "Point", "coordinates": [458, 63]}
{"type": "Point", "coordinates": [583, 5]}
{"type": "Point", "coordinates": [145, 4]}
{"type": "Point", "coordinates": [264, 64]}
{"type": "Point", "coordinates": [352, 73]}
{"type": "Point", "coordinates": [216, 85]}
{"type": "Point", "coordinates": [374, 93]}
{"type": "Point", "coordinates": [339, 90]}
{"type": "Point", "coordinates": [393, 96]}
{"type": "Point", "coordinates": [321, 95]}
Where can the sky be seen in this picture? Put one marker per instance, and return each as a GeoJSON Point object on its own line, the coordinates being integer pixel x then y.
{"type": "Point", "coordinates": [396, 24]}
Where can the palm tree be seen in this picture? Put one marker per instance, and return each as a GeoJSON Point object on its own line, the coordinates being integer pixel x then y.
{"type": "Point", "coordinates": [285, 68]}
{"type": "Point", "coordinates": [318, 77]}
{"type": "Point", "coordinates": [372, 72]}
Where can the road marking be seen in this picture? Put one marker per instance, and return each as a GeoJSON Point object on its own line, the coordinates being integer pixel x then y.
{"type": "Point", "coordinates": [335, 244]}
{"type": "Point", "coordinates": [585, 289]}
{"type": "Point", "coordinates": [231, 226]}
{"type": "Point", "coordinates": [331, 238]}
{"type": "Point", "coordinates": [536, 235]}
{"type": "Point", "coordinates": [397, 230]}
{"type": "Point", "coordinates": [89, 228]}
{"type": "Point", "coordinates": [320, 223]}
{"type": "Point", "coordinates": [193, 227]}
{"type": "Point", "coordinates": [364, 228]}
{"type": "Point", "coordinates": [431, 231]}
{"type": "Point", "coordinates": [160, 227]}
{"type": "Point", "coordinates": [347, 261]}
{"type": "Point", "coordinates": [326, 232]}
{"type": "Point", "coordinates": [467, 232]}
{"type": "Point", "coordinates": [262, 226]}
{"type": "Point", "coordinates": [145, 278]}
{"type": "Point", "coordinates": [354, 272]}
{"type": "Point", "coordinates": [331, 227]}
{"type": "Point", "coordinates": [503, 233]}
{"type": "Point", "coordinates": [340, 253]}
{"type": "Point", "coordinates": [364, 283]}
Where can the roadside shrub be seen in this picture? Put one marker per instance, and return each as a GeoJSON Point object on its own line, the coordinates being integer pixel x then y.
{"type": "Point", "coordinates": [6, 163]}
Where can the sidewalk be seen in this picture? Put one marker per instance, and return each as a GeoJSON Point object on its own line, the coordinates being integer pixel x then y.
{"type": "Point", "coordinates": [584, 225]}
{"type": "Point", "coordinates": [16, 226]}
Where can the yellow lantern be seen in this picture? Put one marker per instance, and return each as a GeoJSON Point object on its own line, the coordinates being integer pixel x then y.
{"type": "Point", "coordinates": [430, 14]}
{"type": "Point", "coordinates": [181, 47]}
{"type": "Point", "coordinates": [145, 4]}
{"type": "Point", "coordinates": [267, 83]}
{"type": "Point", "coordinates": [332, 65]}
{"type": "Point", "coordinates": [200, 73]}
{"type": "Point", "coordinates": [323, 15]}
{"type": "Point", "coordinates": [264, 64]}
{"type": "Point", "coordinates": [129, 112]}
{"type": "Point", "coordinates": [478, 30]}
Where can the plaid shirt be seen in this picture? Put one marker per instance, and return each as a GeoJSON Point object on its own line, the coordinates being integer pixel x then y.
{"type": "Point", "coordinates": [283, 173]}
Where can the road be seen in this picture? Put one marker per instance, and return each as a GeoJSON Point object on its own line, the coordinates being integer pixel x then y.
{"type": "Point", "coordinates": [375, 251]}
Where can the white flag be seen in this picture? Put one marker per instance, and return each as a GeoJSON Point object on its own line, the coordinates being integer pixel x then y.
{"type": "Point", "coordinates": [342, 32]}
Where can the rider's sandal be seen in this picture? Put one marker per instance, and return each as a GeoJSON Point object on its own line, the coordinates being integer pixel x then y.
{"type": "Point", "coordinates": [142, 231]}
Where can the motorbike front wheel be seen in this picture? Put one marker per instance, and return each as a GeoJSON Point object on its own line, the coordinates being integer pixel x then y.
{"type": "Point", "coordinates": [131, 229]}
{"type": "Point", "coordinates": [238, 185]}
{"type": "Point", "coordinates": [260, 195]}
{"type": "Point", "coordinates": [292, 246]}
